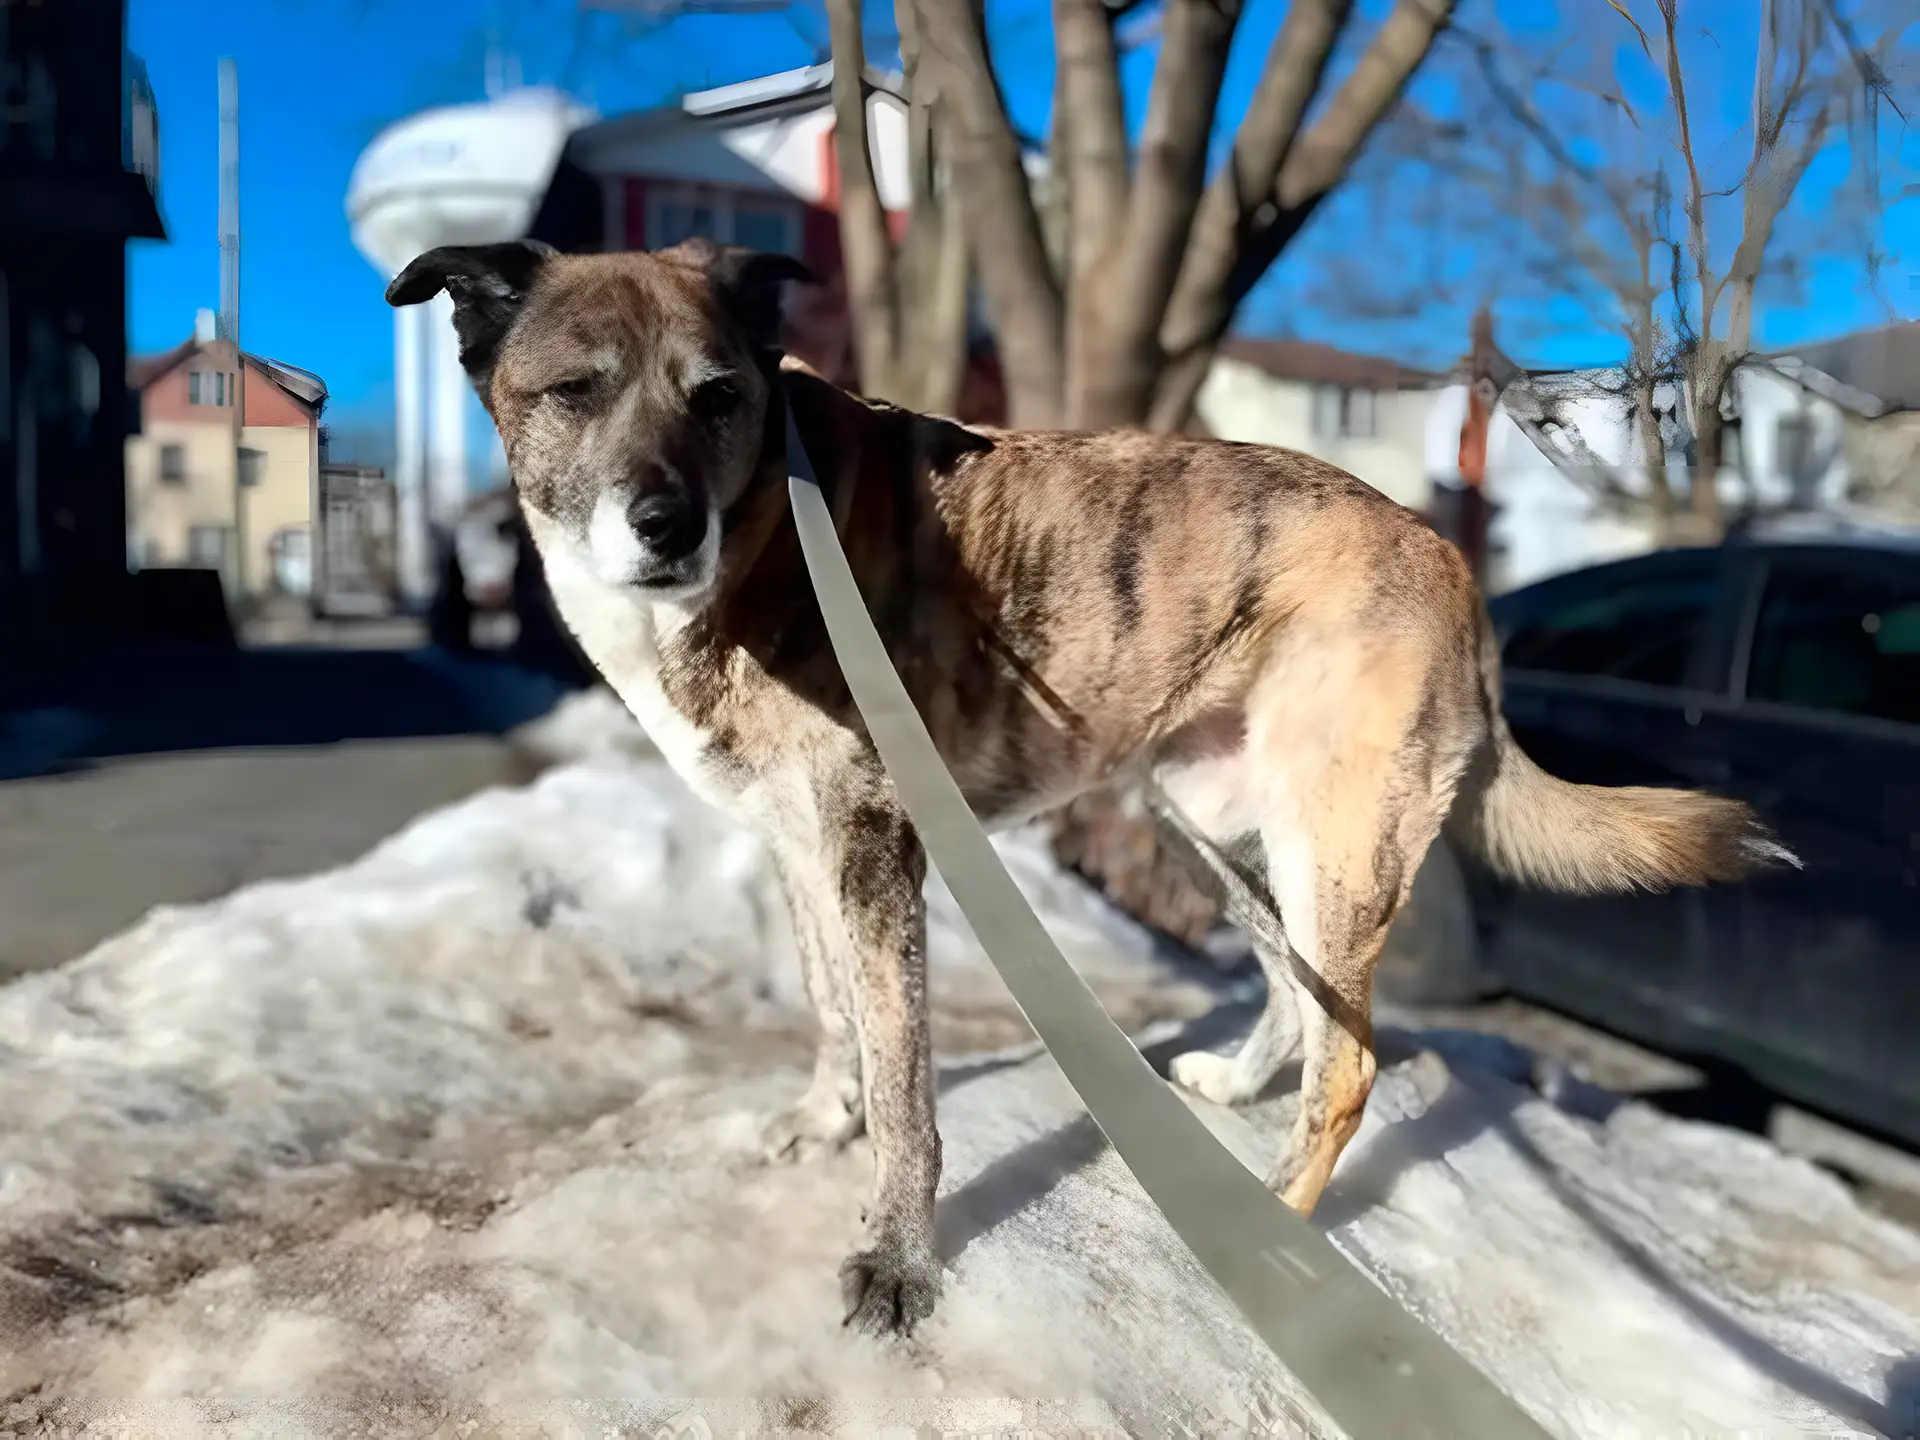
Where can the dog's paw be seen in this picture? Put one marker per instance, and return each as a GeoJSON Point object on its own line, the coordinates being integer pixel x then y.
{"type": "Point", "coordinates": [811, 1128]}
{"type": "Point", "coordinates": [1207, 1075]}
{"type": "Point", "coordinates": [888, 1289]}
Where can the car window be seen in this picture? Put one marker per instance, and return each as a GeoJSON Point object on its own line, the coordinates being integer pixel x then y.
{"type": "Point", "coordinates": [1632, 626]}
{"type": "Point", "coordinates": [1839, 640]}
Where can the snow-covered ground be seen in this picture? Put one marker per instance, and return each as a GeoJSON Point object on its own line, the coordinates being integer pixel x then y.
{"type": "Point", "coordinates": [467, 1132]}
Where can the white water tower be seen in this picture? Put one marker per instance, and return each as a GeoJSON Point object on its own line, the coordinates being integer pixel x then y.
{"type": "Point", "coordinates": [460, 175]}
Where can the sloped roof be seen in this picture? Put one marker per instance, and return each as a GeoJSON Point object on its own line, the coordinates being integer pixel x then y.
{"type": "Point", "coordinates": [303, 385]}
{"type": "Point", "coordinates": [143, 370]}
{"type": "Point", "coordinates": [1883, 362]}
{"type": "Point", "coordinates": [788, 92]}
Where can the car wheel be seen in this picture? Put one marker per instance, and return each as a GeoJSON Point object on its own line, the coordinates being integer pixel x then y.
{"type": "Point", "coordinates": [1432, 954]}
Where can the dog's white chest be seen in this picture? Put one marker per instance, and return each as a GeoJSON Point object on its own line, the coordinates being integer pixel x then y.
{"type": "Point", "coordinates": [622, 635]}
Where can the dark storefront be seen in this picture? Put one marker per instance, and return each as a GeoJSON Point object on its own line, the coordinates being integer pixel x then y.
{"type": "Point", "coordinates": [79, 177]}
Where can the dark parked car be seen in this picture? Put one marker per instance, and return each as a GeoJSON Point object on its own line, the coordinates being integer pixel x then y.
{"type": "Point", "coordinates": [1787, 674]}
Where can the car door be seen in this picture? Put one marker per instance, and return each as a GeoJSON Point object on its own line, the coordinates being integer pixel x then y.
{"type": "Point", "coordinates": [1822, 967]}
{"type": "Point", "coordinates": [1603, 670]}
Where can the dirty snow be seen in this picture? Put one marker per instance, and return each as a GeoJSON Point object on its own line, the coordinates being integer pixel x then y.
{"type": "Point", "coordinates": [468, 1130]}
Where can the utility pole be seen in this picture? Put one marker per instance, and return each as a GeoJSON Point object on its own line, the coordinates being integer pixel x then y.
{"type": "Point", "coordinates": [229, 326]}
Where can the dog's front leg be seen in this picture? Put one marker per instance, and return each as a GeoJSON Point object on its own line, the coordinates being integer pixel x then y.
{"type": "Point", "coordinates": [831, 1112]}
{"type": "Point", "coordinates": [893, 1280]}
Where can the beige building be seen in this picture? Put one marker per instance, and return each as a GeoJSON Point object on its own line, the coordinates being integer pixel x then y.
{"type": "Point", "coordinates": [1362, 413]}
{"type": "Point", "coordinates": [186, 506]}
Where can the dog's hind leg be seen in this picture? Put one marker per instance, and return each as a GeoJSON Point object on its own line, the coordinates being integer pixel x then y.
{"type": "Point", "coordinates": [831, 1112]}
{"type": "Point", "coordinates": [1342, 867]}
{"type": "Point", "coordinates": [1275, 1037]}
{"type": "Point", "coordinates": [1237, 1078]}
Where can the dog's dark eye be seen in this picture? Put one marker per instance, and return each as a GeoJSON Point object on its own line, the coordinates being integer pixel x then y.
{"type": "Point", "coordinates": [574, 389]}
{"type": "Point", "coordinates": [715, 399]}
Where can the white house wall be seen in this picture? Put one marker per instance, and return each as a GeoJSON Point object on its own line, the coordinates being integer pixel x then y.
{"type": "Point", "coordinates": [1238, 401]}
{"type": "Point", "coordinates": [1546, 523]}
{"type": "Point", "coordinates": [1767, 397]}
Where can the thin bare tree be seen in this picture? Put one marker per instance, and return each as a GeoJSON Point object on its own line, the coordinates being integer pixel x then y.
{"type": "Point", "coordinates": [1623, 203]}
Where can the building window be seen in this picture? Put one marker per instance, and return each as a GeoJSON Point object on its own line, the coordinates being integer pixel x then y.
{"type": "Point", "coordinates": [771, 227]}
{"type": "Point", "coordinates": [209, 387]}
{"type": "Point", "coordinates": [681, 212]}
{"type": "Point", "coordinates": [173, 464]}
{"type": "Point", "coordinates": [673, 218]}
{"type": "Point", "coordinates": [253, 464]}
{"type": "Point", "coordinates": [1326, 412]}
{"type": "Point", "coordinates": [1340, 413]}
{"type": "Point", "coordinates": [1359, 416]}
{"type": "Point", "coordinates": [1793, 447]}
{"type": "Point", "coordinates": [207, 546]}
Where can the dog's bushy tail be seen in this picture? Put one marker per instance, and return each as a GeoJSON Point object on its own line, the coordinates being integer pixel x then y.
{"type": "Point", "coordinates": [1590, 839]}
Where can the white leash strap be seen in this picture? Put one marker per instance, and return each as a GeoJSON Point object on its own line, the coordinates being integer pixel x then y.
{"type": "Point", "coordinates": [1376, 1370]}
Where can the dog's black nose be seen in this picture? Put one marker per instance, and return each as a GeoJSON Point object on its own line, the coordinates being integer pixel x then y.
{"type": "Point", "coordinates": [668, 524]}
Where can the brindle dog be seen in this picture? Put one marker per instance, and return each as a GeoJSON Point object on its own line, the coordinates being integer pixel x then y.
{"type": "Point", "coordinates": [1303, 666]}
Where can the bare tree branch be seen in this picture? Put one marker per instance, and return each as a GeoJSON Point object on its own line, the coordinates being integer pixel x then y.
{"type": "Point", "coordinates": [1241, 198]}
{"type": "Point", "coordinates": [1123, 294]}
{"type": "Point", "coordinates": [866, 248]}
{"type": "Point", "coordinates": [1056, 192]}
{"type": "Point", "coordinates": [1216, 279]}
{"type": "Point", "coordinates": [1003, 227]}
{"type": "Point", "coordinates": [1093, 125]}
{"type": "Point", "coordinates": [1645, 44]}
{"type": "Point", "coordinates": [1695, 203]}
{"type": "Point", "coordinates": [920, 141]}
{"type": "Point", "coordinates": [933, 269]}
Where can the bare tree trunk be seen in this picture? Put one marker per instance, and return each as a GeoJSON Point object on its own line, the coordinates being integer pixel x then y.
{"type": "Point", "coordinates": [1002, 223]}
{"type": "Point", "coordinates": [934, 277]}
{"type": "Point", "coordinates": [1710, 370]}
{"type": "Point", "coordinates": [1155, 261]}
{"type": "Point", "coordinates": [1121, 289]}
{"type": "Point", "coordinates": [1090, 153]}
{"type": "Point", "coordinates": [866, 248]}
{"type": "Point", "coordinates": [1643, 369]}
{"type": "Point", "coordinates": [1056, 219]}
{"type": "Point", "coordinates": [935, 268]}
{"type": "Point", "coordinates": [1653, 450]}
{"type": "Point", "coordinates": [907, 304]}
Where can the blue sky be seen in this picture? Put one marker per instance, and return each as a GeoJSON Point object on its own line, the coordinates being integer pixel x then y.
{"type": "Point", "coordinates": [318, 78]}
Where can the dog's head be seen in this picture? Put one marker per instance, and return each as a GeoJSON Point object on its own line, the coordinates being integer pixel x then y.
{"type": "Point", "coordinates": [630, 391]}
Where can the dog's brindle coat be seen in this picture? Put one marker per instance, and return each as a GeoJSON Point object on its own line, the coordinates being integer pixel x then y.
{"type": "Point", "coordinates": [1303, 665]}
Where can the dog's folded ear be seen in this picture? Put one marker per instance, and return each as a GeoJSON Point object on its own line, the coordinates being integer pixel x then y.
{"type": "Point", "coordinates": [487, 283]}
{"type": "Point", "coordinates": [747, 284]}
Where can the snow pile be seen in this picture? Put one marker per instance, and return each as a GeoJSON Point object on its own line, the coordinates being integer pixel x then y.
{"type": "Point", "coordinates": [468, 1131]}
{"type": "Point", "coordinates": [585, 725]}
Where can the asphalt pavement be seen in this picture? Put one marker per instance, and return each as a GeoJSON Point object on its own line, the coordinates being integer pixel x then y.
{"type": "Point", "coordinates": [170, 777]}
